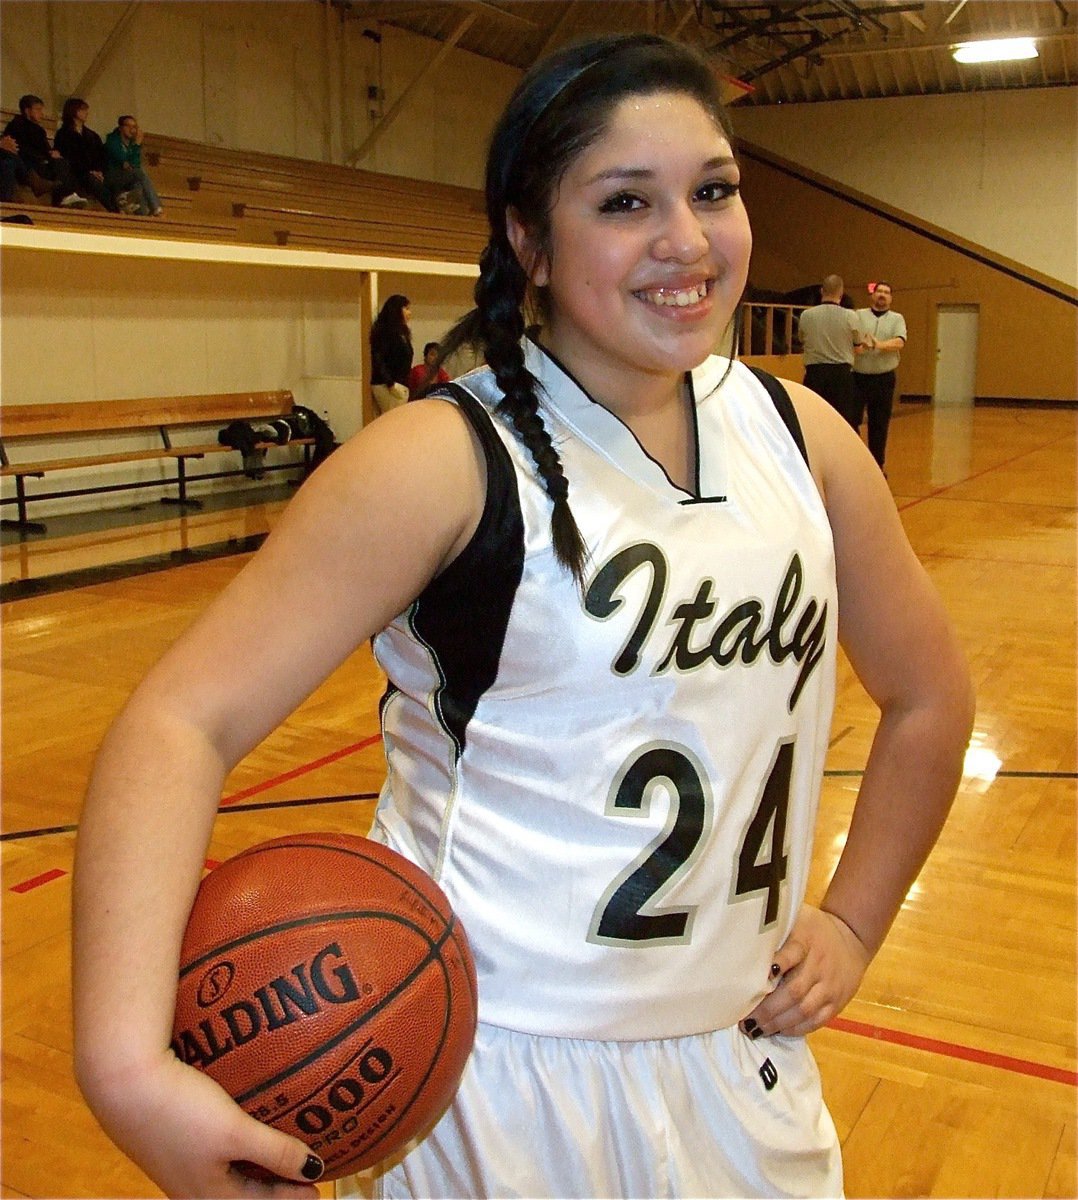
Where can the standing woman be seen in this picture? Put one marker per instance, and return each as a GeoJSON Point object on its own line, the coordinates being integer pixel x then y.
{"type": "Point", "coordinates": [612, 766]}
{"type": "Point", "coordinates": [85, 152]}
{"type": "Point", "coordinates": [391, 353]}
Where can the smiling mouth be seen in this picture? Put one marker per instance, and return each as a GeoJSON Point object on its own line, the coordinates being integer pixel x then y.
{"type": "Point", "coordinates": [675, 297]}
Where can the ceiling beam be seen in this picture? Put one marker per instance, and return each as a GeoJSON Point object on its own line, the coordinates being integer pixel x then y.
{"type": "Point", "coordinates": [552, 37]}
{"type": "Point", "coordinates": [1039, 35]}
{"type": "Point", "coordinates": [93, 72]}
{"type": "Point", "coordinates": [380, 10]}
{"type": "Point", "coordinates": [394, 109]}
{"type": "Point", "coordinates": [858, 15]}
{"type": "Point", "coordinates": [486, 9]}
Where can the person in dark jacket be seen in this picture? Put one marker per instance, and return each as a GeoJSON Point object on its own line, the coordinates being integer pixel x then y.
{"type": "Point", "coordinates": [391, 353]}
{"type": "Point", "coordinates": [13, 171]}
{"type": "Point", "coordinates": [84, 151]}
{"type": "Point", "coordinates": [44, 169]}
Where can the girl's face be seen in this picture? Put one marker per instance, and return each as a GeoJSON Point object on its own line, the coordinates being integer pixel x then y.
{"type": "Point", "coordinates": [650, 248]}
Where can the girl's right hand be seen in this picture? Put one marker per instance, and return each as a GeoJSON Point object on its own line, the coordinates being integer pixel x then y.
{"type": "Point", "coordinates": [186, 1133]}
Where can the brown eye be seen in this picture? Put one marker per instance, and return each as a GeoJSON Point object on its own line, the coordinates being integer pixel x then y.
{"type": "Point", "coordinates": [622, 202]}
{"type": "Point", "coordinates": [716, 191]}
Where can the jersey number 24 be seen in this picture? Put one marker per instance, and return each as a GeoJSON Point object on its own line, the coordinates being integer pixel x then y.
{"type": "Point", "coordinates": [628, 912]}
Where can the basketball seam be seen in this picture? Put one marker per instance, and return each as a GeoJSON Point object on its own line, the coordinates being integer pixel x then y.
{"type": "Point", "coordinates": [434, 955]}
{"type": "Point", "coordinates": [318, 919]}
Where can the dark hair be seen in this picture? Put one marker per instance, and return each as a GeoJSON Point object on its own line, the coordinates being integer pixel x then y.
{"type": "Point", "coordinates": [125, 117]}
{"type": "Point", "coordinates": [882, 283]}
{"type": "Point", "coordinates": [429, 347]}
{"type": "Point", "coordinates": [28, 101]}
{"type": "Point", "coordinates": [71, 109]}
{"type": "Point", "coordinates": [390, 317]}
{"type": "Point", "coordinates": [560, 107]}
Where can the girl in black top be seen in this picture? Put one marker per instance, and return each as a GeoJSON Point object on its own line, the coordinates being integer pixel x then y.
{"type": "Point", "coordinates": [85, 151]}
{"type": "Point", "coordinates": [391, 353]}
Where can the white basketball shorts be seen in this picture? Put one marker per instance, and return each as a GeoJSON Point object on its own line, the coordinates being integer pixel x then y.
{"type": "Point", "coordinates": [713, 1114]}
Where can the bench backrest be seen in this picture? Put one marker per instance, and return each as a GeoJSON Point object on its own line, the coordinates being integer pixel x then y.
{"type": "Point", "coordinates": [100, 416]}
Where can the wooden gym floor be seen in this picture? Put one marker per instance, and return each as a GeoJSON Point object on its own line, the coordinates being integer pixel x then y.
{"type": "Point", "coordinates": [951, 1074]}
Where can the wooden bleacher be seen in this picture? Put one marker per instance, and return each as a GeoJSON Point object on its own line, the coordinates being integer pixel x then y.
{"type": "Point", "coordinates": [242, 197]}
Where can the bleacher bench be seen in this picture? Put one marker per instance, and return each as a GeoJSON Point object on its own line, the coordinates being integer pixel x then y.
{"type": "Point", "coordinates": [29, 426]}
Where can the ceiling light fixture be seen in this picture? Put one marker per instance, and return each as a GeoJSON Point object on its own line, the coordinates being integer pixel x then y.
{"type": "Point", "coordinates": [995, 50]}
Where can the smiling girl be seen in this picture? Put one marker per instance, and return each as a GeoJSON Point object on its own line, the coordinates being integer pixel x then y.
{"type": "Point", "coordinates": [606, 576]}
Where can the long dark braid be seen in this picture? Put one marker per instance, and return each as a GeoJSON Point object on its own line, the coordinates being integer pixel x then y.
{"type": "Point", "coordinates": [496, 324]}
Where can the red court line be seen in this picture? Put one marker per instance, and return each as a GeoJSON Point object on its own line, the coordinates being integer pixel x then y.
{"type": "Point", "coordinates": [976, 475]}
{"type": "Point", "coordinates": [296, 772]}
{"type": "Point", "coordinates": [986, 1057]}
{"type": "Point", "coordinates": [28, 885]}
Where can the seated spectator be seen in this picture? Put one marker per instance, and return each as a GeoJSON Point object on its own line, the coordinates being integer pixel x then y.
{"type": "Point", "coordinates": [424, 377]}
{"type": "Point", "coordinates": [45, 171]}
{"type": "Point", "coordinates": [13, 171]}
{"type": "Point", "coordinates": [124, 173]}
{"type": "Point", "coordinates": [85, 152]}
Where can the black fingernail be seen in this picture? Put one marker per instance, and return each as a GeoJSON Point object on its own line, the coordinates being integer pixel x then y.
{"type": "Point", "coordinates": [755, 1034]}
{"type": "Point", "coordinates": [776, 970]}
{"type": "Point", "coordinates": [312, 1169]}
{"type": "Point", "coordinates": [748, 1024]}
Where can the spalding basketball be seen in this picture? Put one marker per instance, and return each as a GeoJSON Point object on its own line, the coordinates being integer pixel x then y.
{"type": "Point", "coordinates": [326, 984]}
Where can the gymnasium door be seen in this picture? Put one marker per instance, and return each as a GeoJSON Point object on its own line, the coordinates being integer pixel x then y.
{"type": "Point", "coordinates": [952, 394]}
{"type": "Point", "coordinates": [956, 354]}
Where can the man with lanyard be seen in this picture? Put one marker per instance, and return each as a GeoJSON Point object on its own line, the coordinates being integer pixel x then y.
{"type": "Point", "coordinates": [883, 336]}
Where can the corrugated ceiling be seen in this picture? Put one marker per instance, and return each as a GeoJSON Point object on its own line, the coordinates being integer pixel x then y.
{"type": "Point", "coordinates": [800, 50]}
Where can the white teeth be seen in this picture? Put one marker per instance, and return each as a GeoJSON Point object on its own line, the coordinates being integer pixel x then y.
{"type": "Point", "coordinates": [676, 299]}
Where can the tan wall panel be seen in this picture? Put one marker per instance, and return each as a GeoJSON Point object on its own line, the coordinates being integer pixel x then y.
{"type": "Point", "coordinates": [1000, 168]}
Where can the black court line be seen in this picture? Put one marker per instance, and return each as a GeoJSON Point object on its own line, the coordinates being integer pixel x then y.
{"type": "Point", "coordinates": [312, 801]}
{"type": "Point", "coordinates": [22, 589]}
{"type": "Point", "coordinates": [1037, 775]}
{"type": "Point", "coordinates": [998, 775]}
{"type": "Point", "coordinates": [307, 802]}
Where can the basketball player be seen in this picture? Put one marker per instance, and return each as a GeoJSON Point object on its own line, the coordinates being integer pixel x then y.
{"type": "Point", "coordinates": [606, 578]}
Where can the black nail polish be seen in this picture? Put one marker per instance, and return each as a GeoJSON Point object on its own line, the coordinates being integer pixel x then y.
{"type": "Point", "coordinates": [312, 1169]}
{"type": "Point", "coordinates": [748, 1024]}
{"type": "Point", "coordinates": [755, 1034]}
{"type": "Point", "coordinates": [776, 970]}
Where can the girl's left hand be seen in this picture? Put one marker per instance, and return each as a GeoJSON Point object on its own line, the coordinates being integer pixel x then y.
{"type": "Point", "coordinates": [817, 971]}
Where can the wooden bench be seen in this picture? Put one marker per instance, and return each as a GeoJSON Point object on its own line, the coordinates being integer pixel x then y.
{"type": "Point", "coordinates": [359, 214]}
{"type": "Point", "coordinates": [399, 191]}
{"type": "Point", "coordinates": [32, 425]}
{"type": "Point", "coordinates": [202, 162]}
{"type": "Point", "coordinates": [292, 226]}
{"type": "Point", "coordinates": [90, 220]}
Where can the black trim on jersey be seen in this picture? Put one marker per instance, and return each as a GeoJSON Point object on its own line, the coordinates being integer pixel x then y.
{"type": "Point", "coordinates": [462, 616]}
{"type": "Point", "coordinates": [781, 399]}
{"type": "Point", "coordinates": [694, 495]}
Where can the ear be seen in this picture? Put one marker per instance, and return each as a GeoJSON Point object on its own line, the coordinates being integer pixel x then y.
{"type": "Point", "coordinates": [530, 257]}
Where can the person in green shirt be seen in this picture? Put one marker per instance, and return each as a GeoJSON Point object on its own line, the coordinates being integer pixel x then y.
{"type": "Point", "coordinates": [123, 152]}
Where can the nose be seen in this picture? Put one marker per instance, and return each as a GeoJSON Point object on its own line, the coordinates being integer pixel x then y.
{"type": "Point", "coordinates": [682, 237]}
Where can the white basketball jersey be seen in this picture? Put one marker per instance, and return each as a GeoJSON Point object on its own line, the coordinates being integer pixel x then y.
{"type": "Point", "coordinates": [617, 786]}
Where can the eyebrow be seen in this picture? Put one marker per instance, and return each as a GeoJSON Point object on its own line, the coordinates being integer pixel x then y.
{"type": "Point", "coordinates": [723, 160]}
